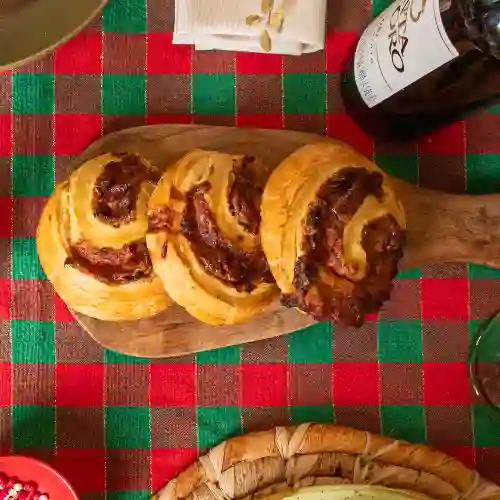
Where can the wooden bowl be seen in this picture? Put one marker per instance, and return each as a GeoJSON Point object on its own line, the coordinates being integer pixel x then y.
{"type": "Point", "coordinates": [30, 28]}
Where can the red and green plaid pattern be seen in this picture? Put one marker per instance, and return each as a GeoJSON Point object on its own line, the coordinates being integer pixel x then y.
{"type": "Point", "coordinates": [123, 425]}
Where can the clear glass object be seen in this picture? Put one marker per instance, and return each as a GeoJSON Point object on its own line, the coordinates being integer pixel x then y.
{"type": "Point", "coordinates": [484, 365]}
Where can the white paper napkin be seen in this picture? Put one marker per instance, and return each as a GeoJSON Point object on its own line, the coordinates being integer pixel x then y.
{"type": "Point", "coordinates": [221, 25]}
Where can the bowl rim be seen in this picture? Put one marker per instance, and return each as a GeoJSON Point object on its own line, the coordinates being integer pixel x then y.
{"type": "Point", "coordinates": [487, 329]}
{"type": "Point", "coordinates": [20, 460]}
{"type": "Point", "coordinates": [32, 33]}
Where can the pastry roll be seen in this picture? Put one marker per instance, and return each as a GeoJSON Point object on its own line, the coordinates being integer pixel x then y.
{"type": "Point", "coordinates": [91, 240]}
{"type": "Point", "coordinates": [333, 232]}
{"type": "Point", "coordinates": [204, 236]}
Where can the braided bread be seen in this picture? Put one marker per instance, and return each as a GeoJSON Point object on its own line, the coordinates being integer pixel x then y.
{"type": "Point", "coordinates": [272, 464]}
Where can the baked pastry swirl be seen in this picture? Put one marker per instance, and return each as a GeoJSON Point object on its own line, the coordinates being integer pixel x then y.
{"type": "Point", "coordinates": [204, 236]}
{"type": "Point", "coordinates": [333, 232]}
{"type": "Point", "coordinates": [91, 239]}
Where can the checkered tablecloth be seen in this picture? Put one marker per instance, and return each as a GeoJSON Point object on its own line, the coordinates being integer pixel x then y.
{"type": "Point", "coordinates": [123, 425]}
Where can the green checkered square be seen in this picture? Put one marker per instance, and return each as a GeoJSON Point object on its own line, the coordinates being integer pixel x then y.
{"type": "Point", "coordinates": [33, 427]}
{"type": "Point", "coordinates": [127, 427]}
{"type": "Point", "coordinates": [128, 495]}
{"type": "Point", "coordinates": [410, 274]}
{"type": "Point", "coordinates": [311, 345]}
{"type": "Point", "coordinates": [125, 16]}
{"type": "Point", "coordinates": [112, 357]}
{"type": "Point", "coordinates": [404, 422]}
{"type": "Point", "coordinates": [214, 94]}
{"type": "Point", "coordinates": [321, 414]}
{"type": "Point", "coordinates": [483, 272]}
{"type": "Point", "coordinates": [379, 5]}
{"type": "Point", "coordinates": [124, 94]}
{"type": "Point", "coordinates": [25, 263]}
{"type": "Point", "coordinates": [304, 93]}
{"type": "Point", "coordinates": [485, 427]}
{"type": "Point", "coordinates": [494, 110]}
{"type": "Point", "coordinates": [474, 326]}
{"type": "Point", "coordinates": [33, 341]}
{"type": "Point", "coordinates": [215, 424]}
{"type": "Point", "coordinates": [402, 166]}
{"type": "Point", "coordinates": [32, 94]}
{"type": "Point", "coordinates": [226, 356]}
{"type": "Point", "coordinates": [32, 175]}
{"type": "Point", "coordinates": [400, 341]}
{"type": "Point", "coordinates": [482, 173]}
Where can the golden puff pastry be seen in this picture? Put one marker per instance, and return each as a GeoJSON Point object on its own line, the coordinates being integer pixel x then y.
{"type": "Point", "coordinates": [333, 232]}
{"type": "Point", "coordinates": [91, 240]}
{"type": "Point", "coordinates": [204, 237]}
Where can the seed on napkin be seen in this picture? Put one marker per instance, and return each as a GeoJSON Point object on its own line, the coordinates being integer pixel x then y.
{"type": "Point", "coordinates": [265, 41]}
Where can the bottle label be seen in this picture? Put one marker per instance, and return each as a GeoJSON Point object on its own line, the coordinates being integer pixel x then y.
{"type": "Point", "coordinates": [405, 43]}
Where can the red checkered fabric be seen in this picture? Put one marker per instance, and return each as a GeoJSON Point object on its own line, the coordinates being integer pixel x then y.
{"type": "Point", "coordinates": [124, 426]}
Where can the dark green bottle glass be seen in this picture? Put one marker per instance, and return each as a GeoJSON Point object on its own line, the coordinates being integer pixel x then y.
{"type": "Point", "coordinates": [423, 64]}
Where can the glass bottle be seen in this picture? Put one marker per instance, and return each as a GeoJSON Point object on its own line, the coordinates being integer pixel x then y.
{"type": "Point", "coordinates": [423, 64]}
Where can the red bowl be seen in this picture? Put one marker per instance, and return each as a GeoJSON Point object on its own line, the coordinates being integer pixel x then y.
{"type": "Point", "coordinates": [48, 481]}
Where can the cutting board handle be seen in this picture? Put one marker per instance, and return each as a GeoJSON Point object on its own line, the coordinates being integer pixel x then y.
{"type": "Point", "coordinates": [450, 228]}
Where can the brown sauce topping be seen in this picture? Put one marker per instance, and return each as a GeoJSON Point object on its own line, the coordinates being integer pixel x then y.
{"type": "Point", "coordinates": [164, 250]}
{"type": "Point", "coordinates": [114, 202]}
{"type": "Point", "coordinates": [168, 217]}
{"type": "Point", "coordinates": [164, 218]}
{"type": "Point", "coordinates": [245, 193]}
{"type": "Point", "coordinates": [324, 287]}
{"type": "Point", "coordinates": [217, 254]}
{"type": "Point", "coordinates": [129, 263]}
{"type": "Point", "coordinates": [117, 188]}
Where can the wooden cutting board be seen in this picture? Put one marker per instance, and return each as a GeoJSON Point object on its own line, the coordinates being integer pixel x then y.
{"type": "Point", "coordinates": [441, 228]}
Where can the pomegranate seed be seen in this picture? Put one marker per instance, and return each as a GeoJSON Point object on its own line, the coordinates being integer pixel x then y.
{"type": "Point", "coordinates": [30, 487]}
{"type": "Point", "coordinates": [12, 488]}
